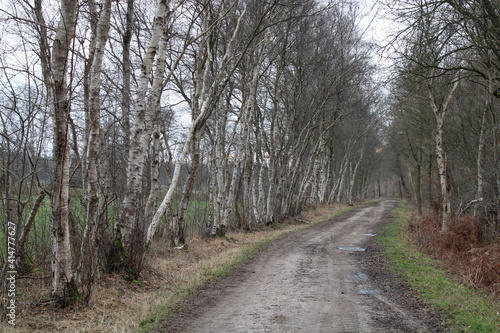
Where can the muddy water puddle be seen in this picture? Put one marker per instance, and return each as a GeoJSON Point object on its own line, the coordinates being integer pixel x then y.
{"type": "Point", "coordinates": [350, 248]}
{"type": "Point", "coordinates": [358, 277]}
{"type": "Point", "coordinates": [368, 291]}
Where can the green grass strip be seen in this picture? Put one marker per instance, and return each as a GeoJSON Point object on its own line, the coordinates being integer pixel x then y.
{"type": "Point", "coordinates": [465, 309]}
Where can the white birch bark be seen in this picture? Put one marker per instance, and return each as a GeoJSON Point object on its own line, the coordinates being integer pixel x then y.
{"type": "Point", "coordinates": [224, 181]}
{"type": "Point", "coordinates": [126, 99]}
{"type": "Point", "coordinates": [340, 187]}
{"type": "Point", "coordinates": [167, 199]}
{"type": "Point", "coordinates": [308, 176]}
{"type": "Point", "coordinates": [88, 251]}
{"type": "Point", "coordinates": [229, 202]}
{"type": "Point", "coordinates": [218, 181]}
{"type": "Point", "coordinates": [209, 97]}
{"type": "Point", "coordinates": [63, 281]}
{"type": "Point", "coordinates": [200, 99]}
{"type": "Point", "coordinates": [325, 181]}
{"type": "Point", "coordinates": [227, 194]}
{"type": "Point", "coordinates": [481, 146]}
{"type": "Point", "coordinates": [154, 184]}
{"type": "Point", "coordinates": [354, 173]}
{"type": "Point", "coordinates": [272, 203]}
{"type": "Point", "coordinates": [142, 126]}
{"type": "Point", "coordinates": [260, 211]}
{"type": "Point", "coordinates": [441, 158]}
{"type": "Point", "coordinates": [248, 108]}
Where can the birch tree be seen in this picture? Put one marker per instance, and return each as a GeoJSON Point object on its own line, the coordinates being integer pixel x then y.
{"type": "Point", "coordinates": [211, 85]}
{"type": "Point", "coordinates": [440, 109]}
{"type": "Point", "coordinates": [128, 247]}
{"type": "Point", "coordinates": [56, 65]}
{"type": "Point", "coordinates": [93, 193]}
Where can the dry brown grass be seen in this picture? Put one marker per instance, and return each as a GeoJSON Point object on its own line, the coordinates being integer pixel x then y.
{"type": "Point", "coordinates": [461, 250]}
{"type": "Point", "coordinates": [119, 306]}
{"type": "Point", "coordinates": [323, 213]}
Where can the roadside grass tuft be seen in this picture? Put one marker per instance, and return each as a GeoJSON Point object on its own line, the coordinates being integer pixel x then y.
{"type": "Point", "coordinates": [466, 309]}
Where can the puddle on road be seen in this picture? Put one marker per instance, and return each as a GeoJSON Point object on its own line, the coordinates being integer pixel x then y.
{"type": "Point", "coordinates": [351, 248]}
{"type": "Point", "coordinates": [359, 277]}
{"type": "Point", "coordinates": [369, 291]}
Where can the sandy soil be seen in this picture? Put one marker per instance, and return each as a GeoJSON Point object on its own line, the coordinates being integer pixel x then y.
{"type": "Point", "coordinates": [327, 278]}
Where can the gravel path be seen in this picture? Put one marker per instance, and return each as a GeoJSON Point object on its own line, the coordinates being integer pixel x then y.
{"type": "Point", "coordinates": [327, 278]}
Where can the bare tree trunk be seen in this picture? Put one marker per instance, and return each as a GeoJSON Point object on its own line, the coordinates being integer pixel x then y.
{"type": "Point", "coordinates": [338, 182]}
{"type": "Point", "coordinates": [480, 158]}
{"type": "Point", "coordinates": [128, 220]}
{"type": "Point", "coordinates": [89, 259]}
{"type": "Point", "coordinates": [354, 174]}
{"type": "Point", "coordinates": [312, 170]}
{"type": "Point", "coordinates": [126, 100]}
{"type": "Point", "coordinates": [325, 179]}
{"type": "Point", "coordinates": [220, 180]}
{"type": "Point", "coordinates": [27, 227]}
{"type": "Point", "coordinates": [418, 188]}
{"type": "Point", "coordinates": [248, 110]}
{"type": "Point", "coordinates": [273, 146]}
{"type": "Point", "coordinates": [204, 63]}
{"type": "Point", "coordinates": [441, 158]}
{"type": "Point", "coordinates": [260, 206]}
{"type": "Point", "coordinates": [154, 185]}
{"type": "Point", "coordinates": [64, 285]}
{"type": "Point", "coordinates": [179, 219]}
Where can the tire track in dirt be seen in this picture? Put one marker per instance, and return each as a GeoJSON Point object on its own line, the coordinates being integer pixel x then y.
{"type": "Point", "coordinates": [315, 280]}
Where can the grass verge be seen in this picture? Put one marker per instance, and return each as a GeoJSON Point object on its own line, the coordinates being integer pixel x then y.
{"type": "Point", "coordinates": [466, 309]}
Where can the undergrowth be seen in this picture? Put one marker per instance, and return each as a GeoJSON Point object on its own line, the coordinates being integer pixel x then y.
{"type": "Point", "coordinates": [437, 277]}
{"type": "Point", "coordinates": [461, 250]}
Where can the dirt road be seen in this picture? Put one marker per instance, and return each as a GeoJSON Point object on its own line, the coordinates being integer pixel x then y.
{"type": "Point", "coordinates": [327, 278]}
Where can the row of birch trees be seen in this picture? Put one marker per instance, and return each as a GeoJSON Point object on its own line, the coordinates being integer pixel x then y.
{"type": "Point", "coordinates": [445, 108]}
{"type": "Point", "coordinates": [119, 117]}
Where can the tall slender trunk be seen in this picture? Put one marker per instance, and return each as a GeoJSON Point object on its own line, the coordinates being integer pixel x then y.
{"type": "Point", "coordinates": [88, 252]}
{"type": "Point", "coordinates": [64, 286]}
{"type": "Point", "coordinates": [154, 184]}
{"type": "Point", "coordinates": [187, 190]}
{"type": "Point", "coordinates": [220, 170]}
{"type": "Point", "coordinates": [418, 188]}
{"type": "Point", "coordinates": [127, 225]}
{"type": "Point", "coordinates": [441, 158]}
{"type": "Point", "coordinates": [199, 103]}
{"type": "Point", "coordinates": [230, 201]}
{"type": "Point", "coordinates": [272, 202]}
{"type": "Point", "coordinates": [480, 160]}
{"type": "Point", "coordinates": [126, 99]}
{"type": "Point", "coordinates": [354, 174]}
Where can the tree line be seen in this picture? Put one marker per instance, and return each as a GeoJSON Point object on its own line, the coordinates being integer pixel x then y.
{"type": "Point", "coordinates": [444, 108]}
{"type": "Point", "coordinates": [125, 123]}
